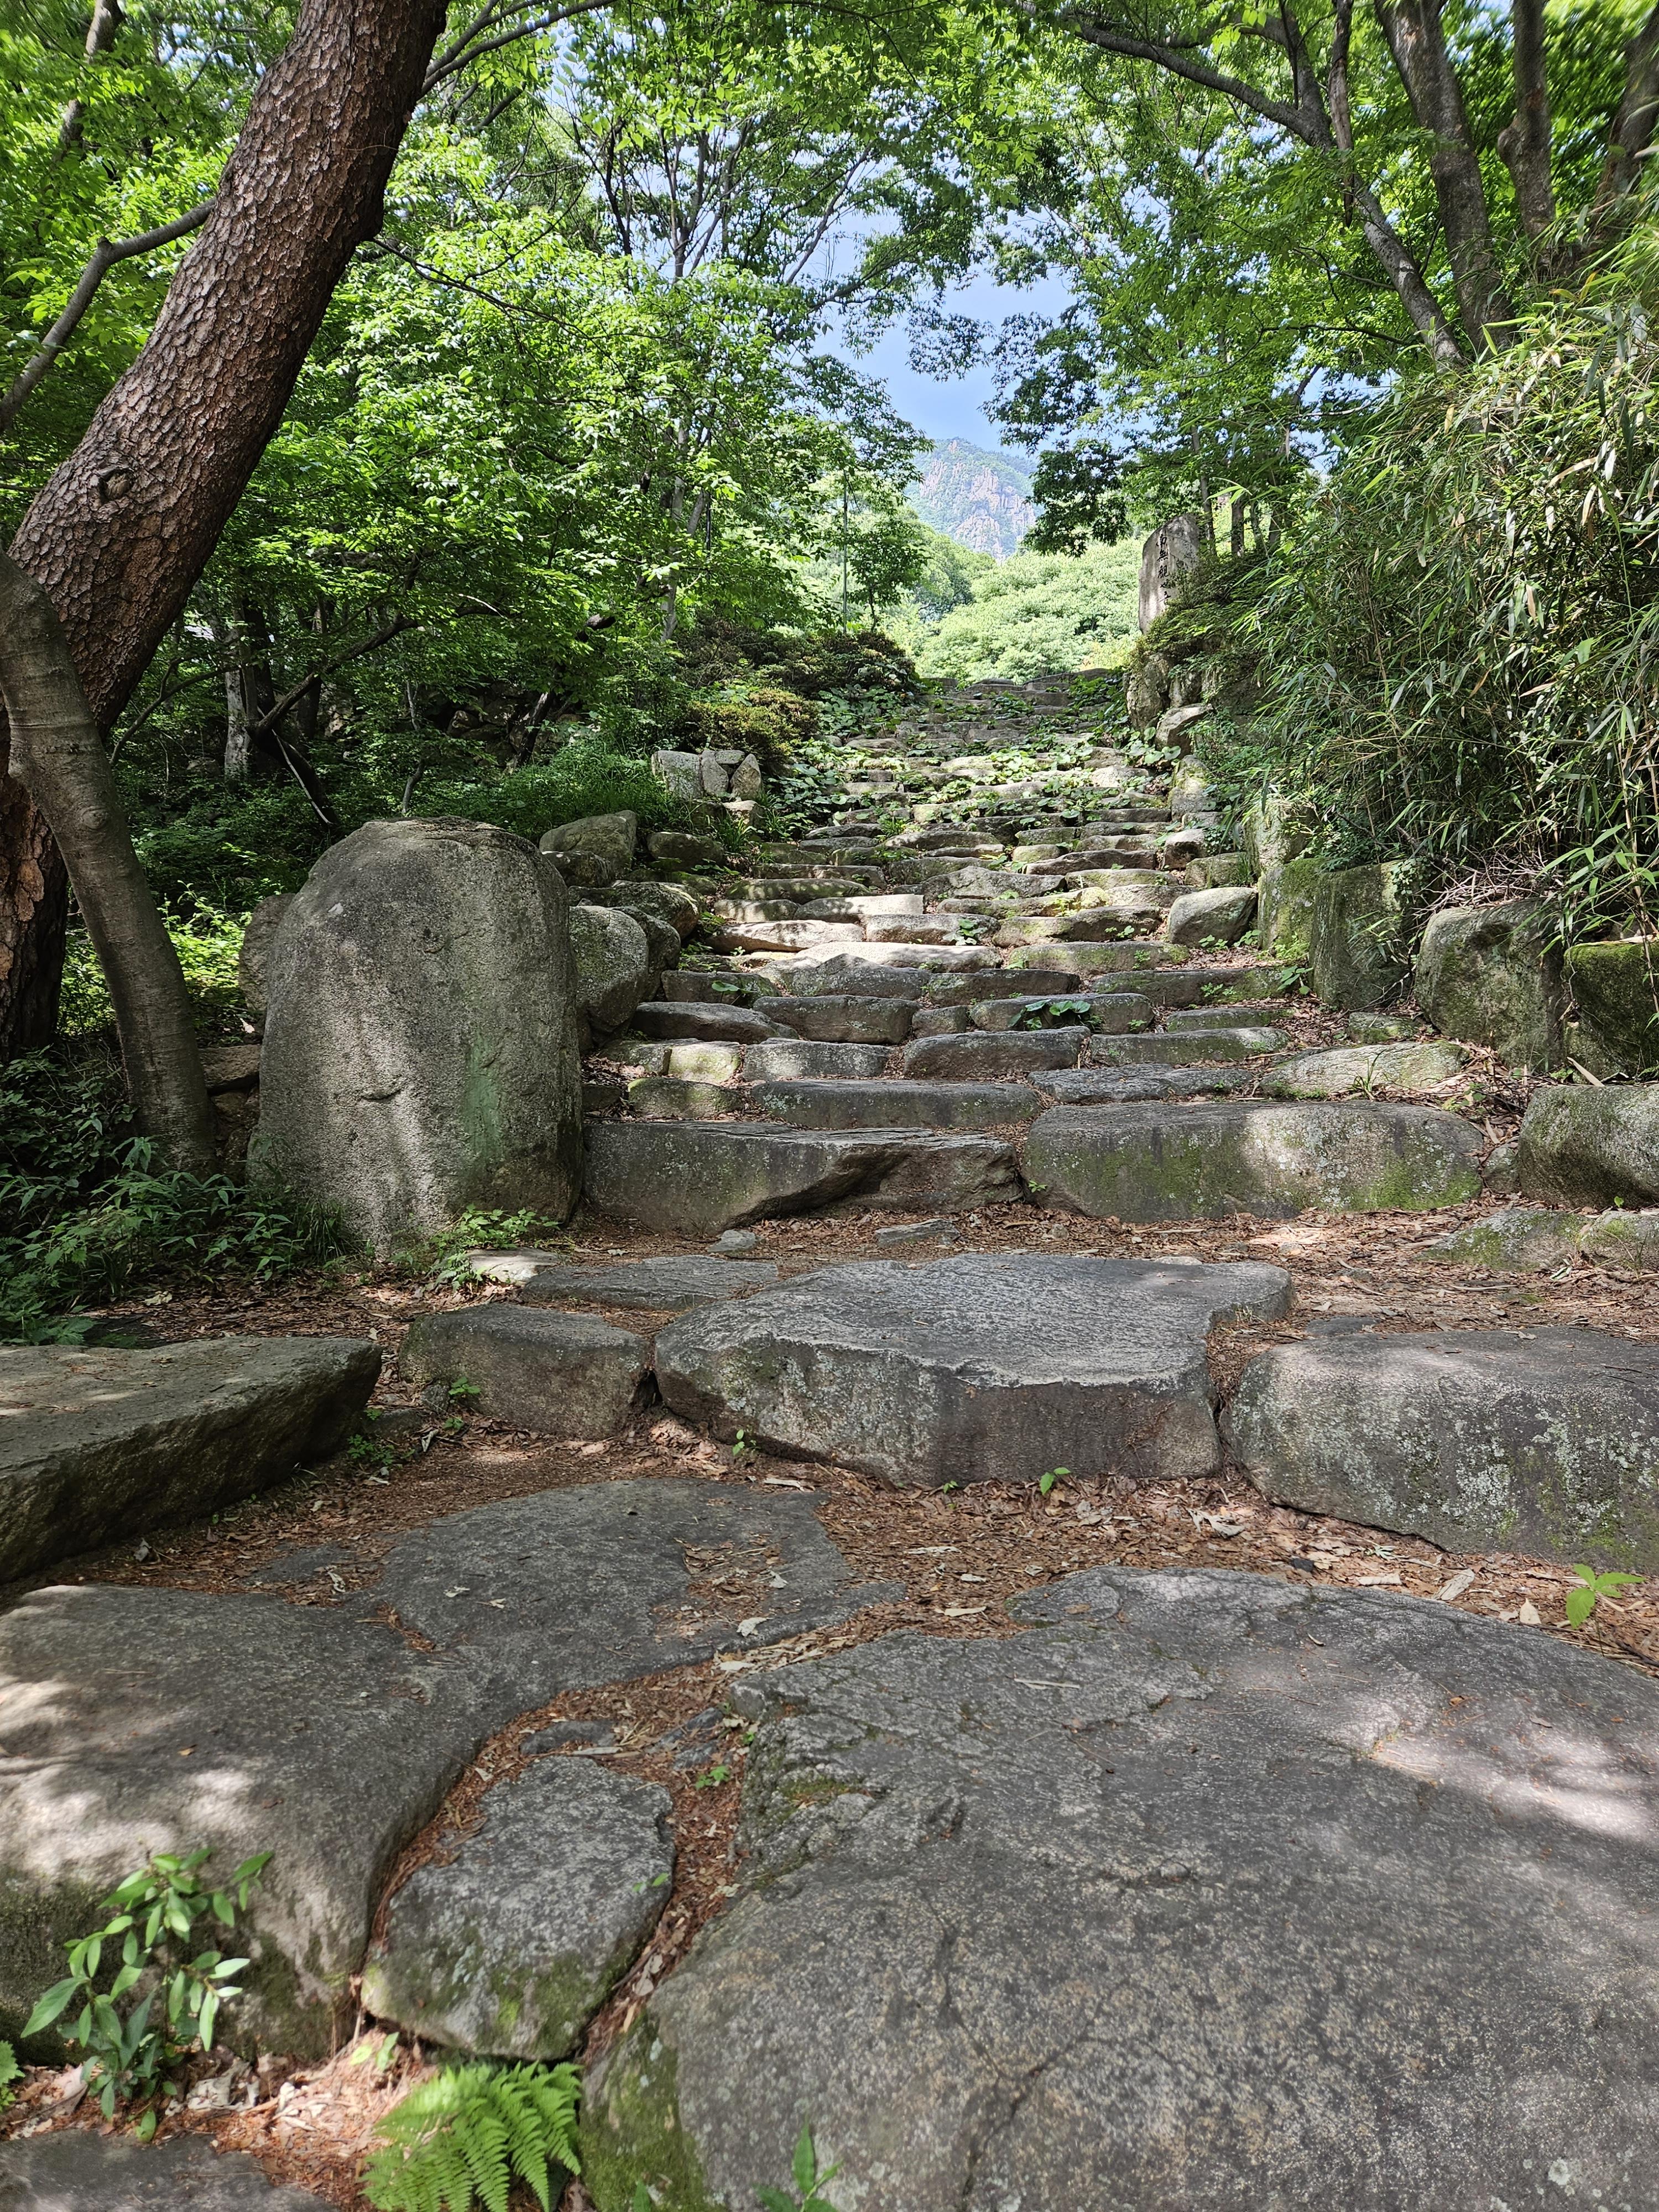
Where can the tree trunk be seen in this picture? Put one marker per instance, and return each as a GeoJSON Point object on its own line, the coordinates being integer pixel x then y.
{"type": "Point", "coordinates": [1417, 40]}
{"type": "Point", "coordinates": [1631, 133]}
{"type": "Point", "coordinates": [120, 535]}
{"type": "Point", "coordinates": [1525, 143]}
{"type": "Point", "coordinates": [58, 752]}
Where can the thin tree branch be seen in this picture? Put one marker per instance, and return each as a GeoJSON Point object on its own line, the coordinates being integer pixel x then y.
{"type": "Point", "coordinates": [274, 714]}
{"type": "Point", "coordinates": [471, 44]}
{"type": "Point", "coordinates": [104, 256]}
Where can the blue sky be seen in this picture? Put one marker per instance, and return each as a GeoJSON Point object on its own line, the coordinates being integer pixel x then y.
{"type": "Point", "coordinates": [957, 408]}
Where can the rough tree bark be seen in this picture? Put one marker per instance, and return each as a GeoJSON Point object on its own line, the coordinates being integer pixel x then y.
{"type": "Point", "coordinates": [1632, 131]}
{"type": "Point", "coordinates": [121, 532]}
{"type": "Point", "coordinates": [58, 753]}
{"type": "Point", "coordinates": [1525, 143]}
{"type": "Point", "coordinates": [1417, 40]}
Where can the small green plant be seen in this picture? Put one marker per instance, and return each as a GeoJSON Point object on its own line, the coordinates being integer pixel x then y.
{"type": "Point", "coordinates": [11, 2071]}
{"type": "Point", "coordinates": [739, 1444]}
{"type": "Point", "coordinates": [712, 1777]}
{"type": "Point", "coordinates": [367, 1450]}
{"type": "Point", "coordinates": [156, 1911]}
{"type": "Point", "coordinates": [462, 1391]}
{"type": "Point", "coordinates": [465, 2136]}
{"type": "Point", "coordinates": [442, 1257]}
{"type": "Point", "coordinates": [809, 2177]}
{"type": "Point", "coordinates": [1045, 1482]}
{"type": "Point", "coordinates": [1592, 1588]}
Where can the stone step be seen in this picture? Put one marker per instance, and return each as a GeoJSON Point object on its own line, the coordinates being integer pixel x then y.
{"type": "Point", "coordinates": [895, 1104]}
{"type": "Point", "coordinates": [97, 1442]}
{"type": "Point", "coordinates": [663, 1285]}
{"type": "Point", "coordinates": [1184, 1825]}
{"type": "Point", "coordinates": [670, 1020]}
{"type": "Point", "coordinates": [697, 1178]}
{"type": "Point", "coordinates": [986, 1055]}
{"type": "Point", "coordinates": [563, 1374]}
{"type": "Point", "coordinates": [1538, 1441]}
{"type": "Point", "coordinates": [1349, 1068]}
{"type": "Point", "coordinates": [973, 1369]}
{"type": "Point", "coordinates": [1183, 1048]}
{"type": "Point", "coordinates": [77, 2171]}
{"type": "Point", "coordinates": [790, 1060]}
{"type": "Point", "coordinates": [1139, 1162]}
{"type": "Point", "coordinates": [1109, 1014]}
{"type": "Point", "coordinates": [1092, 1086]}
{"type": "Point", "coordinates": [855, 1023]}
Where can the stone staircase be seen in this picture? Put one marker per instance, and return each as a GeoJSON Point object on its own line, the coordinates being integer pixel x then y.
{"type": "Point", "coordinates": [1192, 1885]}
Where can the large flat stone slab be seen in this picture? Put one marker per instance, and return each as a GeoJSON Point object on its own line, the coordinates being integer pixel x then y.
{"type": "Point", "coordinates": [1112, 1013]}
{"type": "Point", "coordinates": [673, 1284]}
{"type": "Point", "coordinates": [139, 1720]}
{"type": "Point", "coordinates": [97, 1442]}
{"type": "Point", "coordinates": [704, 1023]}
{"type": "Point", "coordinates": [509, 1948]}
{"type": "Point", "coordinates": [1213, 1158]}
{"type": "Point", "coordinates": [1357, 1067]}
{"type": "Point", "coordinates": [567, 1589]}
{"type": "Point", "coordinates": [974, 1368]}
{"type": "Point", "coordinates": [832, 1019]}
{"type": "Point", "coordinates": [1540, 1441]}
{"type": "Point", "coordinates": [897, 1103]}
{"type": "Point", "coordinates": [560, 1373]}
{"type": "Point", "coordinates": [1185, 1048]}
{"type": "Point", "coordinates": [697, 1178]}
{"type": "Point", "coordinates": [80, 2171]}
{"type": "Point", "coordinates": [1205, 1891]}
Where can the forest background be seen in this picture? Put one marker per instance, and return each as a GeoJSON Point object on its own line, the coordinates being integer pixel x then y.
{"type": "Point", "coordinates": [580, 460]}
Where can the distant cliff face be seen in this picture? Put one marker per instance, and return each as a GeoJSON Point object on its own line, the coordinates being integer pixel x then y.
{"type": "Point", "coordinates": [982, 500]}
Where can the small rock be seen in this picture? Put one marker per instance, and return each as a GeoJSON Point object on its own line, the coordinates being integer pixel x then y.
{"type": "Point", "coordinates": [941, 1230]}
{"type": "Point", "coordinates": [563, 1374]}
{"type": "Point", "coordinates": [705, 1063]}
{"type": "Point", "coordinates": [613, 963]}
{"type": "Point", "coordinates": [1376, 1028]}
{"type": "Point", "coordinates": [940, 1021]}
{"type": "Point", "coordinates": [671, 1098]}
{"type": "Point", "coordinates": [509, 1948]}
{"type": "Point", "coordinates": [611, 837]}
{"type": "Point", "coordinates": [835, 1020]}
{"type": "Point", "coordinates": [735, 1240]}
{"type": "Point", "coordinates": [790, 1058]}
{"type": "Point", "coordinates": [1619, 1239]}
{"type": "Point", "coordinates": [670, 904]}
{"type": "Point", "coordinates": [1522, 1237]}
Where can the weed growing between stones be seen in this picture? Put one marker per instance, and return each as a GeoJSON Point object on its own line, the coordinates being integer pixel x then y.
{"type": "Point", "coordinates": [467, 2135]}
{"type": "Point", "coordinates": [156, 1913]}
{"type": "Point", "coordinates": [809, 2177]}
{"type": "Point", "coordinates": [1592, 1588]}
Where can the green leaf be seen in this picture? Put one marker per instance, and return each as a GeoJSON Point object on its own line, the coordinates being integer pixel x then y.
{"type": "Point", "coordinates": [147, 2123]}
{"type": "Point", "coordinates": [804, 2167]}
{"type": "Point", "coordinates": [208, 2019]}
{"type": "Point", "coordinates": [1580, 1603]}
{"type": "Point", "coordinates": [56, 1998]}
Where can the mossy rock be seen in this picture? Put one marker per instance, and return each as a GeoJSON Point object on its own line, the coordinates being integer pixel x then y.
{"type": "Point", "coordinates": [1617, 988]}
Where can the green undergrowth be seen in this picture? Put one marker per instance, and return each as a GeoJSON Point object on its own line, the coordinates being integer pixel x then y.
{"type": "Point", "coordinates": [468, 2135]}
{"type": "Point", "coordinates": [87, 1215]}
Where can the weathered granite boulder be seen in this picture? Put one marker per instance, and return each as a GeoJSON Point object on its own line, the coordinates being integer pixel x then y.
{"type": "Point", "coordinates": [1372, 1027]}
{"type": "Point", "coordinates": [1617, 988]}
{"type": "Point", "coordinates": [1347, 1068]}
{"type": "Point", "coordinates": [611, 838]}
{"type": "Point", "coordinates": [1143, 1163]}
{"type": "Point", "coordinates": [507, 1949]}
{"type": "Point", "coordinates": [97, 1442]}
{"type": "Point", "coordinates": [668, 903]}
{"type": "Point", "coordinates": [787, 1060]}
{"type": "Point", "coordinates": [77, 2170]}
{"type": "Point", "coordinates": [561, 1374]}
{"type": "Point", "coordinates": [1206, 1891]}
{"type": "Point", "coordinates": [1541, 1441]}
{"type": "Point", "coordinates": [1286, 908]}
{"type": "Point", "coordinates": [699, 1177]}
{"type": "Point", "coordinates": [1356, 938]}
{"type": "Point", "coordinates": [1266, 834]}
{"type": "Point", "coordinates": [1530, 1239]}
{"type": "Point", "coordinates": [1619, 1239]}
{"type": "Point", "coordinates": [1583, 1146]}
{"type": "Point", "coordinates": [253, 956]}
{"type": "Point", "coordinates": [673, 1098]}
{"type": "Point", "coordinates": [682, 771]}
{"type": "Point", "coordinates": [1208, 871]}
{"type": "Point", "coordinates": [141, 1720]}
{"type": "Point", "coordinates": [1089, 1086]}
{"type": "Point", "coordinates": [612, 962]}
{"type": "Point", "coordinates": [974, 1368]}
{"type": "Point", "coordinates": [420, 1052]}
{"type": "Point", "coordinates": [1220, 915]}
{"type": "Point", "coordinates": [1492, 975]}
{"type": "Point", "coordinates": [679, 848]}
{"type": "Point", "coordinates": [832, 1019]}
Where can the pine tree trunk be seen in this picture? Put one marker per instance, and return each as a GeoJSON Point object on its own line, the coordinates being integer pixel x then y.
{"type": "Point", "coordinates": [58, 752]}
{"type": "Point", "coordinates": [120, 535]}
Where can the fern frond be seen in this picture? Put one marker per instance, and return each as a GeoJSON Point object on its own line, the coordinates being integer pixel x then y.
{"type": "Point", "coordinates": [463, 2137]}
